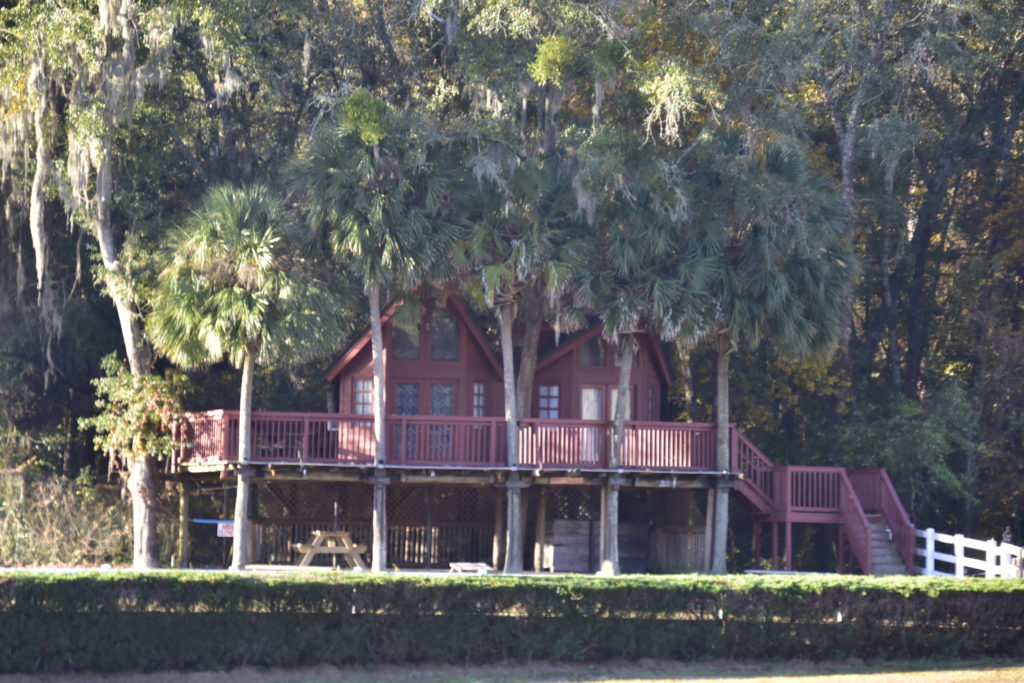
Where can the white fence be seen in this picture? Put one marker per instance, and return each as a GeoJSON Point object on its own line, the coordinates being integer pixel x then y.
{"type": "Point", "coordinates": [956, 555]}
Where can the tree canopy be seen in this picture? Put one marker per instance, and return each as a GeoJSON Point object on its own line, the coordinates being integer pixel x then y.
{"type": "Point", "coordinates": [798, 174]}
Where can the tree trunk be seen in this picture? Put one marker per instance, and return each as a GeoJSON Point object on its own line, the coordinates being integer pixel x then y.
{"type": "Point", "coordinates": [535, 310]}
{"type": "Point", "coordinates": [37, 200]}
{"type": "Point", "coordinates": [240, 540]}
{"type": "Point", "coordinates": [184, 538]}
{"type": "Point", "coordinates": [379, 551]}
{"type": "Point", "coordinates": [377, 347]}
{"type": "Point", "coordinates": [514, 520]}
{"type": "Point", "coordinates": [131, 331]}
{"type": "Point", "coordinates": [627, 351]}
{"type": "Point", "coordinates": [610, 528]}
{"type": "Point", "coordinates": [722, 464]}
{"type": "Point", "coordinates": [142, 488]}
{"type": "Point", "coordinates": [506, 313]}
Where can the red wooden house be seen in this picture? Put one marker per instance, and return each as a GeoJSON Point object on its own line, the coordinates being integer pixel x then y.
{"type": "Point", "coordinates": [447, 473]}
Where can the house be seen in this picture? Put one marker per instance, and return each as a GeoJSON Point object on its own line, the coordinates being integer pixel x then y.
{"type": "Point", "coordinates": [447, 490]}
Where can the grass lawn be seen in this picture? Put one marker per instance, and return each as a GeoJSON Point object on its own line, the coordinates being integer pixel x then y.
{"type": "Point", "coordinates": [980, 671]}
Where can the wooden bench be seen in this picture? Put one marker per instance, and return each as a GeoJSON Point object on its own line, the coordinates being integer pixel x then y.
{"type": "Point", "coordinates": [469, 568]}
{"type": "Point", "coordinates": [331, 543]}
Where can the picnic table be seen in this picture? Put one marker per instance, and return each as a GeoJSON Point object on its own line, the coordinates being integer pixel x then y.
{"type": "Point", "coordinates": [331, 543]}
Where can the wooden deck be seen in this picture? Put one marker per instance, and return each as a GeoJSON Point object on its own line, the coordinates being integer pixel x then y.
{"type": "Point", "coordinates": [776, 494]}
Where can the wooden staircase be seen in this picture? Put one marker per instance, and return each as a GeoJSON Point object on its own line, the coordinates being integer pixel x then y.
{"type": "Point", "coordinates": [874, 529]}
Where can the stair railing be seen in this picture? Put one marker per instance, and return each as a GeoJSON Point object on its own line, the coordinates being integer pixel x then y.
{"type": "Point", "coordinates": [878, 496]}
{"type": "Point", "coordinates": [858, 530]}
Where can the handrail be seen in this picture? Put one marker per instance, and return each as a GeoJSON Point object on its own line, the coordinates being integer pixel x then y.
{"type": "Point", "coordinates": [895, 516]}
{"type": "Point", "coordinates": [858, 529]}
{"type": "Point", "coordinates": [754, 465]}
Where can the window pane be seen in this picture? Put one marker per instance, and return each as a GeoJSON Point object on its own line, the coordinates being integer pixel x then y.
{"type": "Point", "coordinates": [547, 404]}
{"type": "Point", "coordinates": [445, 337]}
{"type": "Point", "coordinates": [593, 352]}
{"type": "Point", "coordinates": [479, 400]}
{"type": "Point", "coordinates": [408, 399]}
{"type": "Point", "coordinates": [405, 342]}
{"type": "Point", "coordinates": [441, 399]}
{"type": "Point", "coordinates": [362, 397]}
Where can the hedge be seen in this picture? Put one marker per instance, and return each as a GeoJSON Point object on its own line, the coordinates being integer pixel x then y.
{"type": "Point", "coordinates": [109, 621]}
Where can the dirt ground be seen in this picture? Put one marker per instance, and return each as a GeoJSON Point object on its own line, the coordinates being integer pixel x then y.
{"type": "Point", "coordinates": [983, 671]}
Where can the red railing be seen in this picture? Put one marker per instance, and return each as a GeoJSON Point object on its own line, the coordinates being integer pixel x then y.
{"type": "Point", "coordinates": [669, 446]}
{"type": "Point", "coordinates": [454, 441]}
{"type": "Point", "coordinates": [877, 496]}
{"type": "Point", "coordinates": [855, 523]}
{"type": "Point", "coordinates": [756, 468]}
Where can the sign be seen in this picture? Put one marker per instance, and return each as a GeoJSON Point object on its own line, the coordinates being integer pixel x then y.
{"type": "Point", "coordinates": [225, 529]}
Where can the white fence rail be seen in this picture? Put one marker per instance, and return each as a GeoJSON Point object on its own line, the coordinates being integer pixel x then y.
{"type": "Point", "coordinates": [956, 555]}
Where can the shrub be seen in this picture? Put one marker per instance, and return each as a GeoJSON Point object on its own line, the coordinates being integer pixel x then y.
{"type": "Point", "coordinates": [189, 620]}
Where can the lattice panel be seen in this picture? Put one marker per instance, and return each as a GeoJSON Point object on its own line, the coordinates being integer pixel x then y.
{"type": "Point", "coordinates": [313, 500]}
{"type": "Point", "coordinates": [577, 502]}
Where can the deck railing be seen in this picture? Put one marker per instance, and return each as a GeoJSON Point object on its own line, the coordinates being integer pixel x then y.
{"type": "Point", "coordinates": [878, 497]}
{"type": "Point", "coordinates": [415, 440]}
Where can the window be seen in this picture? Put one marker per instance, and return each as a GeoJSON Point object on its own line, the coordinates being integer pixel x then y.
{"type": "Point", "coordinates": [547, 406]}
{"type": "Point", "coordinates": [441, 399]}
{"type": "Point", "coordinates": [408, 399]}
{"type": "Point", "coordinates": [362, 397]}
{"type": "Point", "coordinates": [405, 342]}
{"type": "Point", "coordinates": [479, 399]}
{"type": "Point", "coordinates": [592, 352]}
{"type": "Point", "coordinates": [444, 343]}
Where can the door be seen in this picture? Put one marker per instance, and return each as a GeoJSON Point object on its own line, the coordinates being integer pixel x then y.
{"type": "Point", "coordinates": [591, 408]}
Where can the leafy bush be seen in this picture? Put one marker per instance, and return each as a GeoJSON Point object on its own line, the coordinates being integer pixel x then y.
{"type": "Point", "coordinates": [97, 621]}
{"type": "Point", "coordinates": [52, 521]}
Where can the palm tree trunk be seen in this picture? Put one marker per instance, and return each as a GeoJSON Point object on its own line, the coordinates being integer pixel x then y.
{"type": "Point", "coordinates": [721, 528]}
{"type": "Point", "coordinates": [240, 542]}
{"type": "Point", "coordinates": [627, 351]}
{"type": "Point", "coordinates": [506, 313]}
{"type": "Point", "coordinates": [377, 347]}
{"type": "Point", "coordinates": [528, 357]}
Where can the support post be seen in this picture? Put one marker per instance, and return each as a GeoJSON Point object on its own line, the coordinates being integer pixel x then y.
{"type": "Point", "coordinates": [757, 544]}
{"type": "Point", "coordinates": [775, 545]}
{"type": "Point", "coordinates": [610, 526]}
{"type": "Point", "coordinates": [184, 541]}
{"type": "Point", "coordinates": [379, 552]}
{"type": "Point", "coordinates": [958, 554]}
{"type": "Point", "coordinates": [789, 546]}
{"type": "Point", "coordinates": [498, 547]}
{"type": "Point", "coordinates": [709, 529]}
{"type": "Point", "coordinates": [540, 535]}
{"type": "Point", "coordinates": [514, 519]}
{"type": "Point", "coordinates": [841, 552]}
{"type": "Point", "coordinates": [929, 552]}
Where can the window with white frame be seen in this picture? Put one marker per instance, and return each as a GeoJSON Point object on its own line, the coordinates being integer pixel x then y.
{"type": "Point", "coordinates": [547, 404]}
{"type": "Point", "coordinates": [362, 398]}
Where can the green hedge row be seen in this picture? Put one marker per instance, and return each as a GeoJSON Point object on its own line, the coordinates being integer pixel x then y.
{"type": "Point", "coordinates": [193, 620]}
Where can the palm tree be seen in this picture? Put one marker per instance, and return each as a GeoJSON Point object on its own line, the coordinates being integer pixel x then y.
{"type": "Point", "coordinates": [235, 287]}
{"type": "Point", "coordinates": [378, 190]}
{"type": "Point", "coordinates": [784, 269]}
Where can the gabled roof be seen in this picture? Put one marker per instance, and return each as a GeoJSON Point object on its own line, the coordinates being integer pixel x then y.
{"type": "Point", "coordinates": [461, 311]}
{"type": "Point", "coordinates": [577, 340]}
